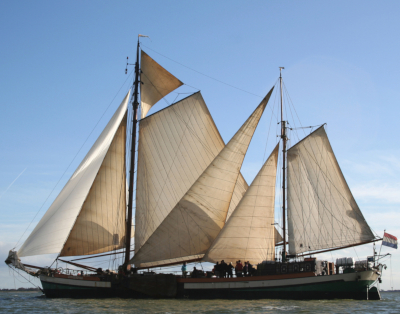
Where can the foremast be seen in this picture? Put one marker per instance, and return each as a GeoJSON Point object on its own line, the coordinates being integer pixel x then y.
{"type": "Point", "coordinates": [135, 105]}
{"type": "Point", "coordinates": [284, 140]}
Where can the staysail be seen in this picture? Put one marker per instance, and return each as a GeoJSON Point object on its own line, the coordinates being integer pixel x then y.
{"type": "Point", "coordinates": [322, 212]}
{"type": "Point", "coordinates": [249, 234]}
{"type": "Point", "coordinates": [156, 83]}
{"type": "Point", "coordinates": [196, 220]}
{"type": "Point", "coordinates": [96, 229]}
{"type": "Point", "coordinates": [176, 145]}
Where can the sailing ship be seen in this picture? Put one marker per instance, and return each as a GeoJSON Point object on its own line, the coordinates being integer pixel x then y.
{"type": "Point", "coordinates": [192, 204]}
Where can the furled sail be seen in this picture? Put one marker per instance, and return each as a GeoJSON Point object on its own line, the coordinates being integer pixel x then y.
{"type": "Point", "coordinates": [176, 145]}
{"type": "Point", "coordinates": [156, 83]}
{"type": "Point", "coordinates": [249, 234]}
{"type": "Point", "coordinates": [96, 229]}
{"type": "Point", "coordinates": [196, 220]}
{"type": "Point", "coordinates": [322, 212]}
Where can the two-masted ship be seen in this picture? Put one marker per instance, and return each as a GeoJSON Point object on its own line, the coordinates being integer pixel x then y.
{"type": "Point", "coordinates": [192, 204]}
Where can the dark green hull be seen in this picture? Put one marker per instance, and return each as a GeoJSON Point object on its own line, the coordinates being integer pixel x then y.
{"type": "Point", "coordinates": [342, 286]}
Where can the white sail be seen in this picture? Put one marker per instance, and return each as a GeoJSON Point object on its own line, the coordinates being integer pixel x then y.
{"type": "Point", "coordinates": [249, 234]}
{"type": "Point", "coordinates": [196, 220]}
{"type": "Point", "coordinates": [53, 229]}
{"type": "Point", "coordinates": [176, 145]}
{"type": "Point", "coordinates": [156, 83]}
{"type": "Point", "coordinates": [322, 212]}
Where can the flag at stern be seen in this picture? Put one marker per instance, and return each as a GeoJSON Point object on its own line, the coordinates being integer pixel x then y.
{"type": "Point", "coordinates": [389, 240]}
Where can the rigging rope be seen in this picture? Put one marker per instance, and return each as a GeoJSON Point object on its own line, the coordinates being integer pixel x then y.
{"type": "Point", "coordinates": [210, 77]}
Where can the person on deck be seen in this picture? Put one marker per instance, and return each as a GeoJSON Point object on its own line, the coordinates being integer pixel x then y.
{"type": "Point", "coordinates": [224, 269]}
{"type": "Point", "coordinates": [230, 270]}
{"type": "Point", "coordinates": [184, 270]}
{"type": "Point", "coordinates": [246, 269]}
{"type": "Point", "coordinates": [251, 269]}
{"type": "Point", "coordinates": [194, 273]}
{"type": "Point", "coordinates": [239, 269]}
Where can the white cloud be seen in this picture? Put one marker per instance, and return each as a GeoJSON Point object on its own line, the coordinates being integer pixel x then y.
{"type": "Point", "coordinates": [379, 191]}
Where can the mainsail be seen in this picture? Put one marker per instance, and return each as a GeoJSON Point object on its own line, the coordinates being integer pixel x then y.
{"type": "Point", "coordinates": [196, 220]}
{"type": "Point", "coordinates": [91, 204]}
{"type": "Point", "coordinates": [322, 212]}
{"type": "Point", "coordinates": [249, 234]}
{"type": "Point", "coordinates": [176, 145]}
{"type": "Point", "coordinates": [156, 83]}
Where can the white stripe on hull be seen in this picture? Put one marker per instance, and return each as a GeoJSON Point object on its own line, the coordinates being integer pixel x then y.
{"type": "Point", "coordinates": [365, 275]}
{"type": "Point", "coordinates": [76, 282]}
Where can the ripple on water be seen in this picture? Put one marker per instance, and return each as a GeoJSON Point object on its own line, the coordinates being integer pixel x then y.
{"type": "Point", "coordinates": [34, 302]}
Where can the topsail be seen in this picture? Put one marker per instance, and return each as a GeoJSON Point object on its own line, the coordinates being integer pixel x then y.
{"type": "Point", "coordinates": [156, 81]}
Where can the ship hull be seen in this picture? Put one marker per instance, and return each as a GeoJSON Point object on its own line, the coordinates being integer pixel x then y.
{"type": "Point", "coordinates": [341, 286]}
{"type": "Point", "coordinates": [305, 286]}
{"type": "Point", "coordinates": [78, 287]}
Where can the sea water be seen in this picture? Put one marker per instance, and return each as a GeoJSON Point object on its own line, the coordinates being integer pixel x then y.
{"type": "Point", "coordinates": [35, 302]}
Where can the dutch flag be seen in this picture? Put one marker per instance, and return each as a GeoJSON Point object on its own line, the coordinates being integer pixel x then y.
{"type": "Point", "coordinates": [389, 240]}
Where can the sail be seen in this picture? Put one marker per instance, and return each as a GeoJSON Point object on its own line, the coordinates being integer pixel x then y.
{"type": "Point", "coordinates": [176, 145]}
{"type": "Point", "coordinates": [322, 212]}
{"type": "Point", "coordinates": [196, 220]}
{"type": "Point", "coordinates": [240, 188]}
{"type": "Point", "coordinates": [100, 226]}
{"type": "Point", "coordinates": [249, 235]}
{"type": "Point", "coordinates": [156, 83]}
{"type": "Point", "coordinates": [278, 236]}
{"type": "Point", "coordinates": [85, 188]}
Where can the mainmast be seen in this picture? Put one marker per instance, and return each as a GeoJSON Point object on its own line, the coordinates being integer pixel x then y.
{"type": "Point", "coordinates": [135, 104]}
{"type": "Point", "coordinates": [284, 139]}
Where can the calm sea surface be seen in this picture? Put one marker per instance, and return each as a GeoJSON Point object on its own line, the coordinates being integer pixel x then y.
{"type": "Point", "coordinates": [33, 302]}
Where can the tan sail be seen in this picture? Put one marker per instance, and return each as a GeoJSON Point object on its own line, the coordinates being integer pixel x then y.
{"type": "Point", "coordinates": [100, 226]}
{"type": "Point", "coordinates": [176, 145]}
{"type": "Point", "coordinates": [278, 236]}
{"type": "Point", "coordinates": [249, 234]}
{"type": "Point", "coordinates": [156, 83]}
{"type": "Point", "coordinates": [322, 212]}
{"type": "Point", "coordinates": [53, 229]}
{"type": "Point", "coordinates": [196, 220]}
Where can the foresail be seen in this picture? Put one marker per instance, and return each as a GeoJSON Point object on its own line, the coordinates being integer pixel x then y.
{"type": "Point", "coordinates": [249, 234]}
{"type": "Point", "coordinates": [53, 229]}
{"type": "Point", "coordinates": [176, 145]}
{"type": "Point", "coordinates": [322, 212]}
{"type": "Point", "coordinates": [196, 220]}
{"type": "Point", "coordinates": [156, 83]}
{"type": "Point", "coordinates": [100, 226]}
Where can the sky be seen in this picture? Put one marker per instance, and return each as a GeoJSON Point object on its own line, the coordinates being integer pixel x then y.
{"type": "Point", "coordinates": [62, 76]}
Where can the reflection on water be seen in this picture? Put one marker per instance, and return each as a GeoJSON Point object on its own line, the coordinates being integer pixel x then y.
{"type": "Point", "coordinates": [34, 302]}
